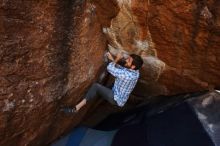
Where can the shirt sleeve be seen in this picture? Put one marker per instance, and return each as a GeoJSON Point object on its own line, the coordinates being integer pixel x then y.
{"type": "Point", "coordinates": [116, 72]}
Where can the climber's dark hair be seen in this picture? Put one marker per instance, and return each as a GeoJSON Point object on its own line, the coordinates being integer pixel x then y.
{"type": "Point", "coordinates": [137, 61]}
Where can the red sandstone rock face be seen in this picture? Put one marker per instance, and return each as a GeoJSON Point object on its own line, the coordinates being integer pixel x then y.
{"type": "Point", "coordinates": [178, 40]}
{"type": "Point", "coordinates": [186, 36]}
{"type": "Point", "coordinates": [51, 51]}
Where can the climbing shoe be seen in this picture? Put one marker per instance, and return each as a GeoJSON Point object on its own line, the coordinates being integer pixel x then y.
{"type": "Point", "coordinates": [68, 110]}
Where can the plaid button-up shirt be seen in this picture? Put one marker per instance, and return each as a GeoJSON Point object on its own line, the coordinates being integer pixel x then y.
{"type": "Point", "coordinates": [125, 81]}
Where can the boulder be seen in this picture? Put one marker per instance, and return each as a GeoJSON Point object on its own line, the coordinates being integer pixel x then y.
{"type": "Point", "coordinates": [52, 50]}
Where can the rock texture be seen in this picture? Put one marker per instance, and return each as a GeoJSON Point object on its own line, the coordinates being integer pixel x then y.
{"type": "Point", "coordinates": [186, 34]}
{"type": "Point", "coordinates": [51, 51]}
{"type": "Point", "coordinates": [178, 40]}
